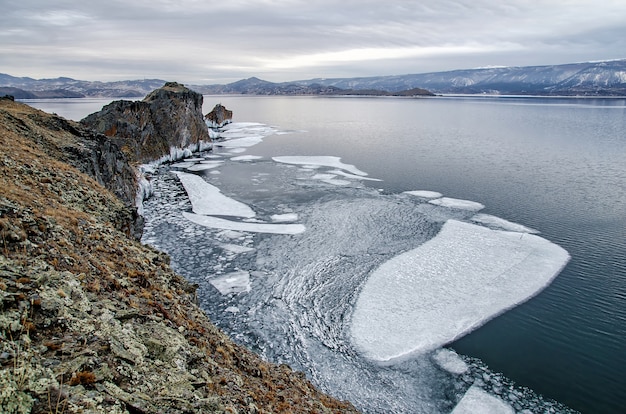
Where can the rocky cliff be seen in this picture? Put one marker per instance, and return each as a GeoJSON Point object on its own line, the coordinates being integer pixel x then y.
{"type": "Point", "coordinates": [91, 321]}
{"type": "Point", "coordinates": [167, 119]}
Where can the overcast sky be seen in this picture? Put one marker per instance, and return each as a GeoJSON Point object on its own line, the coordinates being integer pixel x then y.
{"type": "Point", "coordinates": [206, 41]}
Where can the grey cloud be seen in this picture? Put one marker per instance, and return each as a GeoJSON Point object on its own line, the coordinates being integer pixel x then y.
{"type": "Point", "coordinates": [193, 40]}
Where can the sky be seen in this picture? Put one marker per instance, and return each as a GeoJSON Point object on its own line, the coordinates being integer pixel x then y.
{"type": "Point", "coordinates": [217, 42]}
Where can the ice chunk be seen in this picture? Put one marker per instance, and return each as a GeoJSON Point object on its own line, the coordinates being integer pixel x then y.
{"type": "Point", "coordinates": [458, 204]}
{"type": "Point", "coordinates": [240, 142]}
{"type": "Point", "coordinates": [330, 179]}
{"type": "Point", "coordinates": [327, 161]}
{"type": "Point", "coordinates": [246, 158]}
{"type": "Point", "coordinates": [347, 175]}
{"type": "Point", "coordinates": [208, 199]}
{"type": "Point", "coordinates": [476, 400]}
{"type": "Point", "coordinates": [424, 193]}
{"type": "Point", "coordinates": [218, 223]}
{"type": "Point", "coordinates": [284, 217]}
{"type": "Point", "coordinates": [235, 248]}
{"type": "Point", "coordinates": [450, 361]}
{"type": "Point", "coordinates": [185, 164]}
{"type": "Point", "coordinates": [500, 223]}
{"type": "Point", "coordinates": [206, 165]}
{"type": "Point", "coordinates": [450, 285]}
{"type": "Point", "coordinates": [234, 282]}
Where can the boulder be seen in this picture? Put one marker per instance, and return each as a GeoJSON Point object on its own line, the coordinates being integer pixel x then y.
{"type": "Point", "coordinates": [219, 116]}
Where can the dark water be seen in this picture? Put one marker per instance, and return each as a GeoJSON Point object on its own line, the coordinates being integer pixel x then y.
{"type": "Point", "coordinates": [556, 165]}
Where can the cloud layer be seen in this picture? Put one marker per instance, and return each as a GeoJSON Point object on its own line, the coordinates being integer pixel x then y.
{"type": "Point", "coordinates": [199, 41]}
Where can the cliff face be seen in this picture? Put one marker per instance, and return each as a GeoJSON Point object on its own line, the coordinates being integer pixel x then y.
{"type": "Point", "coordinates": [169, 117]}
{"type": "Point", "coordinates": [90, 319]}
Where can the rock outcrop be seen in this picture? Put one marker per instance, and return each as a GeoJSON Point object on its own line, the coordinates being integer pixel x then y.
{"type": "Point", "coordinates": [91, 321]}
{"type": "Point", "coordinates": [219, 116]}
{"type": "Point", "coordinates": [167, 119]}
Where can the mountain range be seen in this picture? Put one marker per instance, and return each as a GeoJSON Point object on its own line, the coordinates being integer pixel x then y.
{"type": "Point", "coordinates": [605, 78]}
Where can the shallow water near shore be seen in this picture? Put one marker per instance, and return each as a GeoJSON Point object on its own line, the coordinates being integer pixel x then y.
{"type": "Point", "coordinates": [554, 166]}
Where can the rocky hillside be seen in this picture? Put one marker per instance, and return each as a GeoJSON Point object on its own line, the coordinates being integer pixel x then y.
{"type": "Point", "coordinates": [91, 321]}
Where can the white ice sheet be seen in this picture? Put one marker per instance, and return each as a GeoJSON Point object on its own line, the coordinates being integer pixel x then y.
{"type": "Point", "coordinates": [450, 285]}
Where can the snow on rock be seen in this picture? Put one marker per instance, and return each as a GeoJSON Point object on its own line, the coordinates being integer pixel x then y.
{"type": "Point", "coordinates": [447, 287]}
{"type": "Point", "coordinates": [218, 223]}
{"type": "Point", "coordinates": [325, 161]}
{"type": "Point", "coordinates": [208, 199]}
{"type": "Point", "coordinates": [476, 400]}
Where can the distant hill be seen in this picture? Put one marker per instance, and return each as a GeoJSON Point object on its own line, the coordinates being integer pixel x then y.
{"type": "Point", "coordinates": [587, 79]}
{"type": "Point", "coordinates": [606, 78]}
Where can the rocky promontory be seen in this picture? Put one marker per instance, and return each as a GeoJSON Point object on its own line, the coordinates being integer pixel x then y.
{"type": "Point", "coordinates": [165, 121]}
{"type": "Point", "coordinates": [91, 320]}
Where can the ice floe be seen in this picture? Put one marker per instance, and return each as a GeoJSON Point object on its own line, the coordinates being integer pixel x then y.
{"type": "Point", "coordinates": [424, 193]}
{"type": "Point", "coordinates": [325, 161]}
{"type": "Point", "coordinates": [234, 282]}
{"type": "Point", "coordinates": [208, 199]}
{"type": "Point", "coordinates": [476, 400]}
{"type": "Point", "coordinates": [287, 217]}
{"type": "Point", "coordinates": [357, 177]}
{"type": "Point", "coordinates": [206, 165]}
{"type": "Point", "coordinates": [450, 361]}
{"type": "Point", "coordinates": [457, 203]}
{"type": "Point", "coordinates": [246, 158]}
{"type": "Point", "coordinates": [219, 223]}
{"type": "Point", "coordinates": [330, 179]}
{"type": "Point", "coordinates": [448, 286]}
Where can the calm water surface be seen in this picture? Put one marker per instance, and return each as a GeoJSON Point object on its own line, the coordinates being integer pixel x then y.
{"type": "Point", "coordinates": [556, 165]}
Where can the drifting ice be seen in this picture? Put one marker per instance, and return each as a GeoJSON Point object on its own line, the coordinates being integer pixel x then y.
{"type": "Point", "coordinates": [450, 285]}
{"type": "Point", "coordinates": [208, 199]}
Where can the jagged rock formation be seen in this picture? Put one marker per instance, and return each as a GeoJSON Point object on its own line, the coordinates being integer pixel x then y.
{"type": "Point", "coordinates": [92, 321]}
{"type": "Point", "coordinates": [168, 118]}
{"type": "Point", "coordinates": [219, 116]}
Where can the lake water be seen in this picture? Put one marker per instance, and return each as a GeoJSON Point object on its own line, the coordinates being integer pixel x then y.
{"type": "Point", "coordinates": [554, 165]}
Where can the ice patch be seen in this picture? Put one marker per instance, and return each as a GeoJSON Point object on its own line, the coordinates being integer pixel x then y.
{"type": "Point", "coordinates": [206, 165]}
{"type": "Point", "coordinates": [218, 223]}
{"type": "Point", "coordinates": [182, 165]}
{"type": "Point", "coordinates": [330, 179]}
{"type": "Point", "coordinates": [326, 161]}
{"type": "Point", "coordinates": [447, 287]}
{"type": "Point", "coordinates": [234, 282]}
{"type": "Point", "coordinates": [208, 199]}
{"type": "Point", "coordinates": [246, 158]}
{"type": "Point", "coordinates": [458, 204]}
{"type": "Point", "coordinates": [476, 400]}
{"type": "Point", "coordinates": [424, 193]}
{"type": "Point", "coordinates": [240, 142]}
{"type": "Point", "coordinates": [500, 223]}
{"type": "Point", "coordinates": [450, 361]}
{"type": "Point", "coordinates": [235, 248]}
{"type": "Point", "coordinates": [347, 175]}
{"type": "Point", "coordinates": [281, 218]}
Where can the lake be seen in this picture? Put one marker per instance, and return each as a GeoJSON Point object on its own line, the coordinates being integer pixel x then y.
{"type": "Point", "coordinates": [553, 165]}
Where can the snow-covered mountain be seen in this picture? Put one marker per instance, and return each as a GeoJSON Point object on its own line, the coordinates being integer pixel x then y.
{"type": "Point", "coordinates": [605, 78]}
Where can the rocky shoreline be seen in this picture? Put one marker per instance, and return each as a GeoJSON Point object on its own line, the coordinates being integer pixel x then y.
{"type": "Point", "coordinates": [91, 320]}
